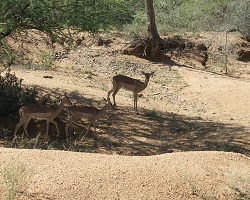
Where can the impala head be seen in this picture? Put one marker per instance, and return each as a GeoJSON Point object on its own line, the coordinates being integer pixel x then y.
{"type": "Point", "coordinates": [66, 99]}
{"type": "Point", "coordinates": [148, 75]}
{"type": "Point", "coordinates": [109, 104]}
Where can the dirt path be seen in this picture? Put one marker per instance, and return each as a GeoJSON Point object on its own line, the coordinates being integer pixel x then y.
{"type": "Point", "coordinates": [224, 98]}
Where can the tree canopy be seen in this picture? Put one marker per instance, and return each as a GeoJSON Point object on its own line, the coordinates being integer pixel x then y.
{"type": "Point", "coordinates": [55, 16]}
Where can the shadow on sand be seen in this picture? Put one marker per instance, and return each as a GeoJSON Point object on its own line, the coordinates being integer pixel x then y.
{"type": "Point", "coordinates": [125, 133]}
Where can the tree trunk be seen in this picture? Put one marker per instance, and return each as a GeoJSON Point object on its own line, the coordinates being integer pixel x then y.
{"type": "Point", "coordinates": [154, 37]}
{"type": "Point", "coordinates": [152, 29]}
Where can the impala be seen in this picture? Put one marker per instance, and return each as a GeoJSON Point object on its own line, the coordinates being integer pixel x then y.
{"type": "Point", "coordinates": [130, 84]}
{"type": "Point", "coordinates": [91, 113]}
{"type": "Point", "coordinates": [40, 112]}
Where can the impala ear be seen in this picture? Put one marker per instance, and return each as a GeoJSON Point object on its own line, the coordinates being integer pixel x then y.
{"type": "Point", "coordinates": [106, 99]}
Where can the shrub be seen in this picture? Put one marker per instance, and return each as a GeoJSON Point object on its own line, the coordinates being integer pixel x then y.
{"type": "Point", "coordinates": [193, 15]}
{"type": "Point", "coordinates": [47, 59]}
{"type": "Point", "coordinates": [12, 95]}
{"type": "Point", "coordinates": [238, 16]}
{"type": "Point", "coordinates": [14, 177]}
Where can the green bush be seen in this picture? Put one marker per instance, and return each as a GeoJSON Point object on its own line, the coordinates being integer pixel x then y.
{"type": "Point", "coordinates": [54, 17]}
{"type": "Point", "coordinates": [6, 55]}
{"type": "Point", "coordinates": [12, 95]}
{"type": "Point", "coordinates": [47, 59]}
{"type": "Point", "coordinates": [195, 16]}
{"type": "Point", "coordinates": [238, 17]}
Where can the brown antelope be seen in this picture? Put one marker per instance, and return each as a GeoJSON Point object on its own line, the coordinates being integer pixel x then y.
{"type": "Point", "coordinates": [91, 113]}
{"type": "Point", "coordinates": [130, 84]}
{"type": "Point", "coordinates": [40, 112]}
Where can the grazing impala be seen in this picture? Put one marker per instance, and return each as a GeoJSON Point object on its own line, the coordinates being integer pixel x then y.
{"type": "Point", "coordinates": [40, 112]}
{"type": "Point", "coordinates": [130, 84]}
{"type": "Point", "coordinates": [91, 113]}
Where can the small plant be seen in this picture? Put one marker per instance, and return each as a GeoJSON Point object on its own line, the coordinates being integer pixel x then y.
{"type": "Point", "coordinates": [193, 187]}
{"type": "Point", "coordinates": [71, 144]}
{"type": "Point", "coordinates": [14, 178]}
{"type": "Point", "coordinates": [239, 181]}
{"type": "Point", "coordinates": [7, 57]}
{"type": "Point", "coordinates": [227, 147]}
{"type": "Point", "coordinates": [88, 70]}
{"type": "Point", "coordinates": [47, 59]}
{"type": "Point", "coordinates": [208, 196]}
{"type": "Point", "coordinates": [177, 38]}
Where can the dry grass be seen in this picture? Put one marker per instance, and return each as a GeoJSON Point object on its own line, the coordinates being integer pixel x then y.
{"type": "Point", "coordinates": [15, 177]}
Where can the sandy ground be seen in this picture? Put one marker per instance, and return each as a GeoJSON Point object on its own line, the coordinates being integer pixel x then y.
{"type": "Point", "coordinates": [169, 151]}
{"type": "Point", "coordinates": [189, 175]}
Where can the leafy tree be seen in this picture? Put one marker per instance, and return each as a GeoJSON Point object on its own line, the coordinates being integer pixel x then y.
{"type": "Point", "coordinates": [202, 15]}
{"type": "Point", "coordinates": [53, 17]}
{"type": "Point", "coordinates": [238, 17]}
{"type": "Point", "coordinates": [191, 15]}
{"type": "Point", "coordinates": [11, 14]}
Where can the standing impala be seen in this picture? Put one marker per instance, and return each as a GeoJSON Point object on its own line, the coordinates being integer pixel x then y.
{"type": "Point", "coordinates": [130, 84]}
{"type": "Point", "coordinates": [91, 113]}
{"type": "Point", "coordinates": [40, 112]}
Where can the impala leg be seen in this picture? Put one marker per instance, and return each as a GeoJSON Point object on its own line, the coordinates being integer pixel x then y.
{"type": "Point", "coordinates": [94, 124]}
{"type": "Point", "coordinates": [25, 128]}
{"type": "Point", "coordinates": [67, 129]}
{"type": "Point", "coordinates": [87, 130]}
{"type": "Point", "coordinates": [114, 93]}
{"type": "Point", "coordinates": [21, 122]}
{"type": "Point", "coordinates": [52, 121]}
{"type": "Point", "coordinates": [69, 122]}
{"type": "Point", "coordinates": [89, 126]}
{"type": "Point", "coordinates": [47, 128]}
{"type": "Point", "coordinates": [110, 92]}
{"type": "Point", "coordinates": [135, 103]}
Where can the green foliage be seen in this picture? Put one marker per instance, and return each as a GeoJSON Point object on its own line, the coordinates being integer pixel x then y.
{"type": "Point", "coordinates": [238, 16]}
{"type": "Point", "coordinates": [227, 147]}
{"type": "Point", "coordinates": [59, 19]}
{"type": "Point", "coordinates": [95, 15]}
{"type": "Point", "coordinates": [11, 13]}
{"type": "Point", "coordinates": [196, 15]}
{"type": "Point", "coordinates": [12, 95]}
{"type": "Point", "coordinates": [54, 17]}
{"type": "Point", "coordinates": [191, 15]}
{"type": "Point", "coordinates": [46, 59]}
{"type": "Point", "coordinates": [6, 55]}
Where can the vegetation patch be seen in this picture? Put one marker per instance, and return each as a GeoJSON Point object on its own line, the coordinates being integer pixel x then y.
{"type": "Point", "coordinates": [13, 95]}
{"type": "Point", "coordinates": [15, 177]}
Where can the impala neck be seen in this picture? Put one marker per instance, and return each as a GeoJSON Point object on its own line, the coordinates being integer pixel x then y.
{"type": "Point", "coordinates": [60, 106]}
{"type": "Point", "coordinates": [102, 111]}
{"type": "Point", "coordinates": [145, 83]}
